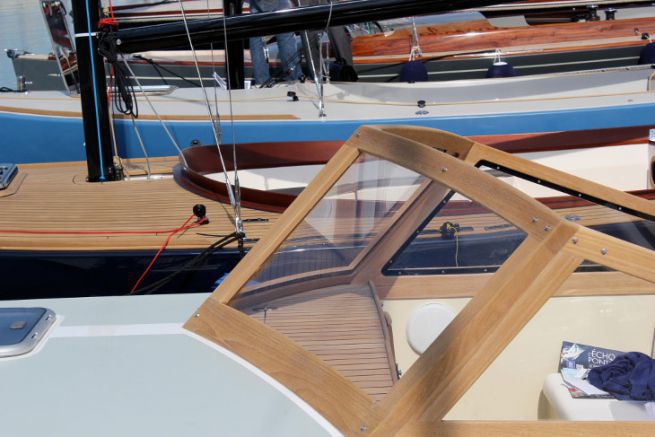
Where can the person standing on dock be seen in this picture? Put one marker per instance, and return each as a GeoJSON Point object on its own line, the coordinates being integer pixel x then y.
{"type": "Point", "coordinates": [340, 40]}
{"type": "Point", "coordinates": [286, 46]}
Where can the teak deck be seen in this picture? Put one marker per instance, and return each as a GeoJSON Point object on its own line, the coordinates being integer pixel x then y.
{"type": "Point", "coordinates": [352, 342]}
{"type": "Point", "coordinates": [55, 197]}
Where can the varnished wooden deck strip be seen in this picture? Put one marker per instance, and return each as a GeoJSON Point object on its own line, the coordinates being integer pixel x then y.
{"type": "Point", "coordinates": [341, 325]}
{"type": "Point", "coordinates": [56, 198]}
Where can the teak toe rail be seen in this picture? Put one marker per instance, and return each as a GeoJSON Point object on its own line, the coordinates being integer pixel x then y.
{"type": "Point", "coordinates": [417, 403]}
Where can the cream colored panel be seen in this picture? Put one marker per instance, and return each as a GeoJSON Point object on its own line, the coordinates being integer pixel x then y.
{"type": "Point", "coordinates": [511, 388]}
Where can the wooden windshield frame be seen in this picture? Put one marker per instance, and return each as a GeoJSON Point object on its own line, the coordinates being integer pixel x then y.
{"type": "Point", "coordinates": [417, 403]}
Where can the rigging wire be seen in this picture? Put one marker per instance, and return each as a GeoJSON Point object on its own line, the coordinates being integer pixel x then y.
{"type": "Point", "coordinates": [143, 147]}
{"type": "Point", "coordinates": [325, 32]}
{"type": "Point", "coordinates": [111, 117]}
{"type": "Point", "coordinates": [213, 121]}
{"type": "Point", "coordinates": [237, 185]}
{"type": "Point", "coordinates": [157, 66]}
{"type": "Point", "coordinates": [211, 48]}
{"type": "Point", "coordinates": [152, 107]}
{"type": "Point", "coordinates": [318, 78]}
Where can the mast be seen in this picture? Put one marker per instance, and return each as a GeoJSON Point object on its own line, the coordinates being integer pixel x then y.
{"type": "Point", "coordinates": [235, 28]}
{"type": "Point", "coordinates": [93, 93]}
{"type": "Point", "coordinates": [234, 47]}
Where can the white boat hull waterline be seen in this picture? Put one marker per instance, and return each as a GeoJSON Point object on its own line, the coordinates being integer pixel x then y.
{"type": "Point", "coordinates": [556, 102]}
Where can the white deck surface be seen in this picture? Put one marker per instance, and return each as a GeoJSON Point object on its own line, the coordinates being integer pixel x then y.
{"type": "Point", "coordinates": [122, 366]}
{"type": "Point", "coordinates": [380, 101]}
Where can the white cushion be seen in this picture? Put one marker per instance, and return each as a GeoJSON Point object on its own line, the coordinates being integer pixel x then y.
{"type": "Point", "coordinates": [568, 408]}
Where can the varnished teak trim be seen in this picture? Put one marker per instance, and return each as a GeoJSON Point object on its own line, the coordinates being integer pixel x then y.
{"type": "Point", "coordinates": [506, 302]}
{"type": "Point", "coordinates": [332, 395]}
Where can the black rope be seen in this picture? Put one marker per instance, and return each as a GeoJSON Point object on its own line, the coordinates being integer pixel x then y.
{"type": "Point", "coordinates": [4, 89]}
{"type": "Point", "coordinates": [195, 262]}
{"type": "Point", "coordinates": [158, 66]}
{"type": "Point", "coordinates": [123, 96]}
{"type": "Point", "coordinates": [157, 69]}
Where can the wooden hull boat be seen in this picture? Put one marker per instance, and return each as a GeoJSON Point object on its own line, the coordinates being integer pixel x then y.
{"type": "Point", "coordinates": [546, 103]}
{"type": "Point", "coordinates": [467, 50]}
{"type": "Point", "coordinates": [300, 324]}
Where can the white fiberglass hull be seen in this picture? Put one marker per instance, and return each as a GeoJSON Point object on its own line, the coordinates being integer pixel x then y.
{"type": "Point", "coordinates": [557, 102]}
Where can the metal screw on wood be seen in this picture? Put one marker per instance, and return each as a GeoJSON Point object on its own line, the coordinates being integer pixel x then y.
{"type": "Point", "coordinates": [547, 228]}
{"type": "Point", "coordinates": [535, 219]}
{"type": "Point", "coordinates": [574, 240]}
{"type": "Point", "coordinates": [444, 169]}
{"type": "Point", "coordinates": [197, 314]}
{"type": "Point", "coordinates": [603, 251]}
{"type": "Point", "coordinates": [363, 428]}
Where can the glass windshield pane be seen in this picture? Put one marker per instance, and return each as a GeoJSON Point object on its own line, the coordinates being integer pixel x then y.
{"type": "Point", "coordinates": [592, 213]}
{"type": "Point", "coordinates": [461, 236]}
{"type": "Point", "coordinates": [301, 290]}
{"type": "Point", "coordinates": [360, 204]}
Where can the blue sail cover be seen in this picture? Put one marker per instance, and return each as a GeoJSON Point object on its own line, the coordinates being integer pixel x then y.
{"type": "Point", "coordinates": [629, 377]}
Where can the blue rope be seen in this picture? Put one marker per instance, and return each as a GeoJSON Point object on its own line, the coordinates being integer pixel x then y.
{"type": "Point", "coordinates": [95, 91]}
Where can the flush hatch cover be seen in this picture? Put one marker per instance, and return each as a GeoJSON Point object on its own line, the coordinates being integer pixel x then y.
{"type": "Point", "coordinates": [21, 329]}
{"type": "Point", "coordinates": [7, 173]}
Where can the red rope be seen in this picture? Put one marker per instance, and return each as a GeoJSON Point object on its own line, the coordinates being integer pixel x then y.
{"type": "Point", "coordinates": [184, 227]}
{"type": "Point", "coordinates": [111, 21]}
{"type": "Point", "coordinates": [114, 232]}
{"type": "Point", "coordinates": [111, 10]}
{"type": "Point", "coordinates": [171, 233]}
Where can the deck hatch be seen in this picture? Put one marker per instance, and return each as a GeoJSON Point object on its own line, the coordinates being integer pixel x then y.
{"type": "Point", "coordinates": [7, 174]}
{"type": "Point", "coordinates": [21, 329]}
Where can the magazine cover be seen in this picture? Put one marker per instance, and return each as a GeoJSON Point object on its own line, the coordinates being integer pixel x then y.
{"type": "Point", "coordinates": [575, 361]}
{"type": "Point", "coordinates": [583, 356]}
